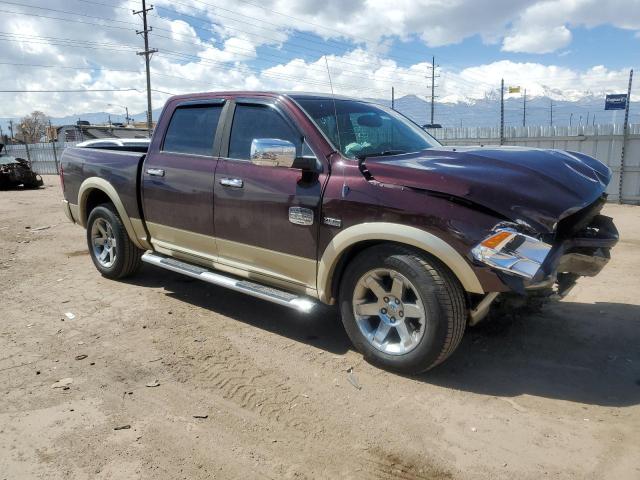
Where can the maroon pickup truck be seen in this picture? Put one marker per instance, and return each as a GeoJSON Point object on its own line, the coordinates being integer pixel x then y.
{"type": "Point", "coordinates": [303, 198]}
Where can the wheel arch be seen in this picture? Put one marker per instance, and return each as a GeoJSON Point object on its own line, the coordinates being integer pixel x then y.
{"type": "Point", "coordinates": [91, 192]}
{"type": "Point", "coordinates": [349, 242]}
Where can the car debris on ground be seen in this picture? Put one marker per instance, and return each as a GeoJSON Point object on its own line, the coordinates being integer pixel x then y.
{"type": "Point", "coordinates": [17, 171]}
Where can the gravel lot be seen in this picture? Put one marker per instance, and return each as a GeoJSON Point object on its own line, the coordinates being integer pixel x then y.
{"type": "Point", "coordinates": [551, 395]}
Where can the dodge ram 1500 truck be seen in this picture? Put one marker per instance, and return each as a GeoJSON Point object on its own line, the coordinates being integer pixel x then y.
{"type": "Point", "coordinates": [305, 198]}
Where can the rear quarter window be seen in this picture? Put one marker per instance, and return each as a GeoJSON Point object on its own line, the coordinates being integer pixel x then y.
{"type": "Point", "coordinates": [192, 130]}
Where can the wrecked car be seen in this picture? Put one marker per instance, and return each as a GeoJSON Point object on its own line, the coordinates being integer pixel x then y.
{"type": "Point", "coordinates": [17, 171]}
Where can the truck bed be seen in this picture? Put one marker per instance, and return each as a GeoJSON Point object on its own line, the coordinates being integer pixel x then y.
{"type": "Point", "coordinates": [119, 167]}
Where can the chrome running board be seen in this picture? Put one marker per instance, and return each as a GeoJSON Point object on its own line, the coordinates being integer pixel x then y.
{"type": "Point", "coordinates": [300, 303]}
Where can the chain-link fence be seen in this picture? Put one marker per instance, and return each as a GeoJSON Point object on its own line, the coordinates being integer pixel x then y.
{"type": "Point", "coordinates": [44, 157]}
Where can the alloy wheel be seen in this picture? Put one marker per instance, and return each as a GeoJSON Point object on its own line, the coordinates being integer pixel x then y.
{"type": "Point", "coordinates": [103, 241]}
{"type": "Point", "coordinates": [388, 311]}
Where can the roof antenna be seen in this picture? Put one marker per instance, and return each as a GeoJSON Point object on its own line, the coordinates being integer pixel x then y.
{"type": "Point", "coordinates": [345, 187]}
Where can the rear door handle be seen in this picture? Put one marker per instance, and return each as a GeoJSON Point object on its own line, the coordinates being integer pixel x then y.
{"type": "Point", "coordinates": [232, 182]}
{"type": "Point", "coordinates": [155, 172]}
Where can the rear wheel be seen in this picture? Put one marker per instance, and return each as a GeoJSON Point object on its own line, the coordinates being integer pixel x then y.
{"type": "Point", "coordinates": [401, 308]}
{"type": "Point", "coordinates": [112, 251]}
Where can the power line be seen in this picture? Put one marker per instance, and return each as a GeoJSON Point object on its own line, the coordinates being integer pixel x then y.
{"type": "Point", "coordinates": [459, 79]}
{"type": "Point", "coordinates": [232, 49]}
{"type": "Point", "coordinates": [181, 56]}
{"type": "Point", "coordinates": [299, 21]}
{"type": "Point", "coordinates": [74, 90]}
{"type": "Point", "coordinates": [243, 31]}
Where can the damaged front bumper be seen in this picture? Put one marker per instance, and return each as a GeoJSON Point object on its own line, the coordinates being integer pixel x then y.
{"type": "Point", "coordinates": [584, 252]}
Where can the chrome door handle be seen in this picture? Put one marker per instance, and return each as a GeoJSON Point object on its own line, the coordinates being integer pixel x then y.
{"type": "Point", "coordinates": [232, 182]}
{"type": "Point", "coordinates": [155, 172]}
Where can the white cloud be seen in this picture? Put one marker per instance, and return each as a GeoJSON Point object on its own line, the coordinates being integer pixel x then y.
{"type": "Point", "coordinates": [543, 26]}
{"type": "Point", "coordinates": [551, 80]}
{"type": "Point", "coordinates": [537, 39]}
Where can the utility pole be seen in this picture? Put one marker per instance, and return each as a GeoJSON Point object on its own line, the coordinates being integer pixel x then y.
{"type": "Point", "coordinates": [393, 99]}
{"type": "Point", "coordinates": [11, 130]}
{"type": "Point", "coordinates": [147, 57]}
{"type": "Point", "coordinates": [502, 112]}
{"type": "Point", "coordinates": [433, 84]}
{"type": "Point", "coordinates": [524, 108]}
{"type": "Point", "coordinates": [570, 118]}
{"type": "Point", "coordinates": [625, 134]}
{"type": "Point", "coordinates": [551, 112]}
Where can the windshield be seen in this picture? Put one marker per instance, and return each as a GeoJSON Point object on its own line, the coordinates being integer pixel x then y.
{"type": "Point", "coordinates": [365, 129]}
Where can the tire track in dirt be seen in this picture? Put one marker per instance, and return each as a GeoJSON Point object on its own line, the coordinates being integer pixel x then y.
{"type": "Point", "coordinates": [238, 379]}
{"type": "Point", "coordinates": [384, 465]}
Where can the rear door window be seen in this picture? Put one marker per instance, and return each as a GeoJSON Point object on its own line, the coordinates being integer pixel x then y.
{"type": "Point", "coordinates": [192, 130]}
{"type": "Point", "coordinates": [258, 121]}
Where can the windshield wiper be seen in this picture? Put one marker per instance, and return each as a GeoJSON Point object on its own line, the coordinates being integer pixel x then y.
{"type": "Point", "coordinates": [385, 153]}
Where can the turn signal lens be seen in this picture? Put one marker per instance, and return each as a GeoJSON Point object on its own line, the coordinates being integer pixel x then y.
{"type": "Point", "coordinates": [513, 252]}
{"type": "Point", "coordinates": [494, 240]}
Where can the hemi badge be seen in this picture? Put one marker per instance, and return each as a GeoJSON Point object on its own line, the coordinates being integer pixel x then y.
{"type": "Point", "coordinates": [332, 222]}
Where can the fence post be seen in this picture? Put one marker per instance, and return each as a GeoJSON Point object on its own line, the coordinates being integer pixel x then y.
{"type": "Point", "coordinates": [26, 146]}
{"type": "Point", "coordinates": [55, 156]}
{"type": "Point", "coordinates": [502, 112]}
{"type": "Point", "coordinates": [625, 134]}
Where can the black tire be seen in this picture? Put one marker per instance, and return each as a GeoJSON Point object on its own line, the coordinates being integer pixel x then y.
{"type": "Point", "coordinates": [441, 295]}
{"type": "Point", "coordinates": [127, 258]}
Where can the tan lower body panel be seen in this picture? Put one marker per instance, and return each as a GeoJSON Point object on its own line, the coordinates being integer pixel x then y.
{"type": "Point", "coordinates": [75, 212]}
{"type": "Point", "coordinates": [296, 274]}
{"type": "Point", "coordinates": [194, 244]}
{"type": "Point", "coordinates": [268, 262]}
{"type": "Point", "coordinates": [138, 229]}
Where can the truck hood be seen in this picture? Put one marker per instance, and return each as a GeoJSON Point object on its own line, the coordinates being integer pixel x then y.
{"type": "Point", "coordinates": [535, 186]}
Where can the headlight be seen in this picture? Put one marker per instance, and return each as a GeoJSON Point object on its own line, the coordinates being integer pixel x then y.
{"type": "Point", "coordinates": [512, 252]}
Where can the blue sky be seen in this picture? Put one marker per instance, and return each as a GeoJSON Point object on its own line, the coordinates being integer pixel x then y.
{"type": "Point", "coordinates": [603, 45]}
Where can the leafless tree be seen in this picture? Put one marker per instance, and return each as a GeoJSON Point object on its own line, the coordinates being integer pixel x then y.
{"type": "Point", "coordinates": [32, 127]}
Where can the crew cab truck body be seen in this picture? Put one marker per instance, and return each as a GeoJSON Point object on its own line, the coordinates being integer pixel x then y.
{"type": "Point", "coordinates": [302, 198]}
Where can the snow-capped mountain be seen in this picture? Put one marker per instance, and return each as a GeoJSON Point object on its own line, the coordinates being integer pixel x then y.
{"type": "Point", "coordinates": [485, 112]}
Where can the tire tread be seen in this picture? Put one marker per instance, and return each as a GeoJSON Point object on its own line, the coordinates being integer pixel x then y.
{"type": "Point", "coordinates": [132, 255]}
{"type": "Point", "coordinates": [444, 286]}
{"type": "Point", "coordinates": [451, 297]}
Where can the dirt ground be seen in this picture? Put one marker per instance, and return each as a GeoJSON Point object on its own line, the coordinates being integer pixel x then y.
{"type": "Point", "coordinates": [551, 395]}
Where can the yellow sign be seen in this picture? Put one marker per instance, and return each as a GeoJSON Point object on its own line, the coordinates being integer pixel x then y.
{"type": "Point", "coordinates": [514, 89]}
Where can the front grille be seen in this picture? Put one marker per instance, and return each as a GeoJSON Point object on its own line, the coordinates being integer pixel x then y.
{"type": "Point", "coordinates": [568, 227]}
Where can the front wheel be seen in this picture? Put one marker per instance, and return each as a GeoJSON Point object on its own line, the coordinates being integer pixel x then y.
{"type": "Point", "coordinates": [401, 308]}
{"type": "Point", "coordinates": [112, 251]}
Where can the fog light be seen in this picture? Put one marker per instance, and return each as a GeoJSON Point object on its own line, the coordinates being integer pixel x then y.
{"type": "Point", "coordinates": [512, 252]}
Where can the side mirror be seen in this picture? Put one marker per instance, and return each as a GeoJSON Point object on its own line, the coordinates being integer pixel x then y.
{"type": "Point", "coordinates": [273, 152]}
